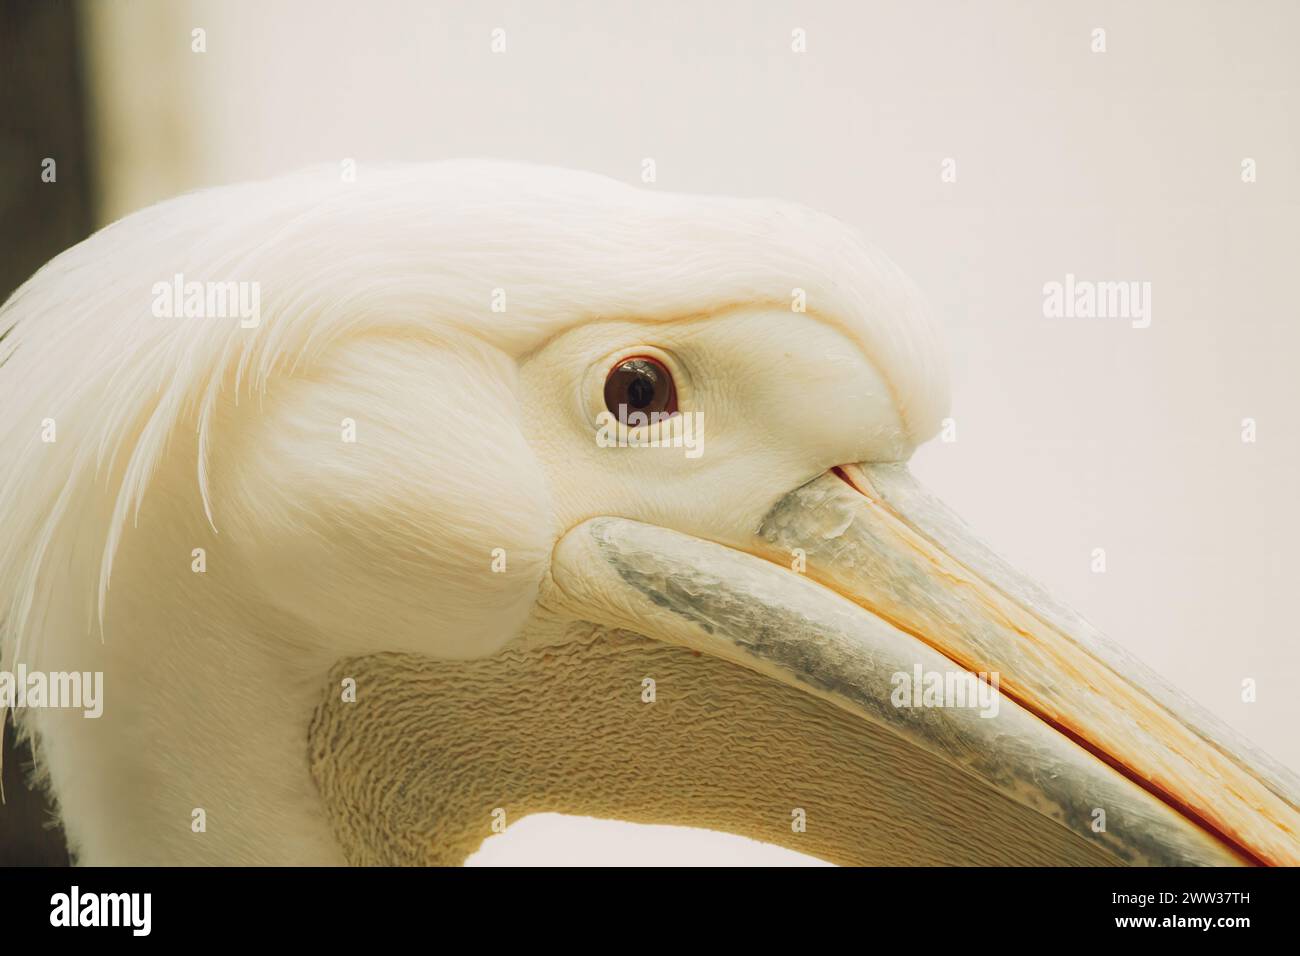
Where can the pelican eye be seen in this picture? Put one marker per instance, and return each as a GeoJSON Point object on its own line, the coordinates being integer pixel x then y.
{"type": "Point", "coordinates": [640, 384]}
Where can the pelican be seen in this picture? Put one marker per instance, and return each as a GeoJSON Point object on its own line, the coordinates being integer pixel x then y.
{"type": "Point", "coordinates": [392, 511]}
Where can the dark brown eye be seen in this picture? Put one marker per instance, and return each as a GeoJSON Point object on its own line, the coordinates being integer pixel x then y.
{"type": "Point", "coordinates": [640, 384]}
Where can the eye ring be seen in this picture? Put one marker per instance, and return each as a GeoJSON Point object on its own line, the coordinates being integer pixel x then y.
{"type": "Point", "coordinates": [640, 386]}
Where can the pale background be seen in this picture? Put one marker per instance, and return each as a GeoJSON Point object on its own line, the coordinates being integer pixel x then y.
{"type": "Point", "coordinates": [1071, 434]}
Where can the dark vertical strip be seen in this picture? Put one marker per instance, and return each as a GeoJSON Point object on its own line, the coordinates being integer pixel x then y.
{"type": "Point", "coordinates": [42, 117]}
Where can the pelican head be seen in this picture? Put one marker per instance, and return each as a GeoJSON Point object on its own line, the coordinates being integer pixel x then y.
{"type": "Point", "coordinates": [394, 510]}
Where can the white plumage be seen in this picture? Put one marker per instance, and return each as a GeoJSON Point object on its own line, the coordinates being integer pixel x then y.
{"type": "Point", "coordinates": [397, 457]}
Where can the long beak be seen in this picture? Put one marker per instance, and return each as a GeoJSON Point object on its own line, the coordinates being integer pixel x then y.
{"type": "Point", "coordinates": [862, 589]}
